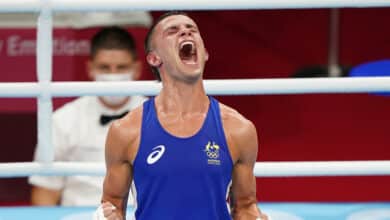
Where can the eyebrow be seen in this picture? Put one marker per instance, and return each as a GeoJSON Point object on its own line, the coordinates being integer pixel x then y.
{"type": "Point", "coordinates": [190, 26]}
{"type": "Point", "coordinates": [172, 27]}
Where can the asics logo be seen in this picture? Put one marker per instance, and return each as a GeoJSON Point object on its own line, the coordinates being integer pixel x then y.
{"type": "Point", "coordinates": [156, 154]}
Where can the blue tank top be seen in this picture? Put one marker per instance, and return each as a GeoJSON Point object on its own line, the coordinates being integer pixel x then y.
{"type": "Point", "coordinates": [178, 178]}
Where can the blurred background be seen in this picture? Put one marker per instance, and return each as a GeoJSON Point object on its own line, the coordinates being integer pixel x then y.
{"type": "Point", "coordinates": [241, 44]}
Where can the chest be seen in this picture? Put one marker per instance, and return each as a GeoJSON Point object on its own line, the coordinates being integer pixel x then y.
{"type": "Point", "coordinates": [196, 156]}
{"type": "Point", "coordinates": [182, 126]}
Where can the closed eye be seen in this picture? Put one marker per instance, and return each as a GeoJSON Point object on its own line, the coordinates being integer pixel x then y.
{"type": "Point", "coordinates": [172, 30]}
{"type": "Point", "coordinates": [192, 28]}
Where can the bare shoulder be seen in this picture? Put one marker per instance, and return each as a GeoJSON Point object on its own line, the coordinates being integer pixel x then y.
{"type": "Point", "coordinates": [234, 122]}
{"type": "Point", "coordinates": [124, 134]}
{"type": "Point", "coordinates": [240, 134]}
{"type": "Point", "coordinates": [129, 126]}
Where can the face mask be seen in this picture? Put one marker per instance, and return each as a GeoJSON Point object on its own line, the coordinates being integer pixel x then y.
{"type": "Point", "coordinates": [114, 77]}
{"type": "Point", "coordinates": [110, 77]}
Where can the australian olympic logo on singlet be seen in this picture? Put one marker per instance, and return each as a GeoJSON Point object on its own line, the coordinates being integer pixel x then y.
{"type": "Point", "coordinates": [212, 153]}
{"type": "Point", "coordinates": [156, 154]}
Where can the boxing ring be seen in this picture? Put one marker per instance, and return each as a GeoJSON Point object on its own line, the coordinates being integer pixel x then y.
{"type": "Point", "coordinates": [44, 90]}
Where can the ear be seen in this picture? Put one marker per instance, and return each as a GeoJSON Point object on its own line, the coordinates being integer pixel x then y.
{"type": "Point", "coordinates": [137, 70]}
{"type": "Point", "coordinates": [153, 59]}
{"type": "Point", "coordinates": [206, 55]}
{"type": "Point", "coordinates": [89, 69]}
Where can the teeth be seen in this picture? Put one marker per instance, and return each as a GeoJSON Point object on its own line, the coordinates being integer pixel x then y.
{"type": "Point", "coordinates": [186, 43]}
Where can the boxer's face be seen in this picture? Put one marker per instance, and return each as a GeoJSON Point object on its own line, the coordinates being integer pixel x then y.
{"type": "Point", "coordinates": [178, 49]}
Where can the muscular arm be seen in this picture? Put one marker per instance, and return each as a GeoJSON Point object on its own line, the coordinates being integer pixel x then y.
{"type": "Point", "coordinates": [244, 182]}
{"type": "Point", "coordinates": [120, 140]}
{"type": "Point", "coordinates": [41, 196]}
{"type": "Point", "coordinates": [243, 144]}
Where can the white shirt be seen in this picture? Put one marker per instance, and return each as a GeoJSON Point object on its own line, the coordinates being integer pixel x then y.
{"type": "Point", "coordinates": [78, 136]}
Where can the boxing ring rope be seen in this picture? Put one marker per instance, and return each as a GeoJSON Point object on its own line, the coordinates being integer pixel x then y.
{"type": "Point", "coordinates": [213, 87]}
{"type": "Point", "coordinates": [44, 90]}
{"type": "Point", "coordinates": [44, 75]}
{"type": "Point", "coordinates": [121, 5]}
{"type": "Point", "coordinates": [262, 169]}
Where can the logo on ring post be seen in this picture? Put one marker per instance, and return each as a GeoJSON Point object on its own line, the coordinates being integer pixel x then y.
{"type": "Point", "coordinates": [156, 154]}
{"type": "Point", "coordinates": [212, 152]}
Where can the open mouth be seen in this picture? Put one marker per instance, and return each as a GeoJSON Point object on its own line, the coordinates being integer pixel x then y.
{"type": "Point", "coordinates": [187, 52]}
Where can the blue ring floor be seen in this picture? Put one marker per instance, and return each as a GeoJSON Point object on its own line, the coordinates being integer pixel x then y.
{"type": "Point", "coordinates": [277, 211]}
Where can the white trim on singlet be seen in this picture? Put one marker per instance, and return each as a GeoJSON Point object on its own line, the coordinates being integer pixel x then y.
{"type": "Point", "coordinates": [134, 193]}
{"type": "Point", "coordinates": [227, 195]}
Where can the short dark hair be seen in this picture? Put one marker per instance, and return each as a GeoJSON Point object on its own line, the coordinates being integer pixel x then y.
{"type": "Point", "coordinates": [148, 37]}
{"type": "Point", "coordinates": [113, 37]}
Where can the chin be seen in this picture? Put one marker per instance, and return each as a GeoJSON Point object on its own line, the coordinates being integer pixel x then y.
{"type": "Point", "coordinates": [193, 70]}
{"type": "Point", "coordinates": [193, 77]}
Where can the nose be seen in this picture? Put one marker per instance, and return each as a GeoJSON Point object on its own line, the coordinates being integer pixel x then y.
{"type": "Point", "coordinates": [113, 69]}
{"type": "Point", "coordinates": [185, 32]}
{"type": "Point", "coordinates": [116, 69]}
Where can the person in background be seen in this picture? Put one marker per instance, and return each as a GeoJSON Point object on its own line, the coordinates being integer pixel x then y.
{"type": "Point", "coordinates": [80, 127]}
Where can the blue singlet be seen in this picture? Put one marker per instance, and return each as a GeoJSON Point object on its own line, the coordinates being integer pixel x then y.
{"type": "Point", "coordinates": [178, 178]}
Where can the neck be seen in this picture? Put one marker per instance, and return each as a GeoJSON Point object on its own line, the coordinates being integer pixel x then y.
{"type": "Point", "coordinates": [182, 98]}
